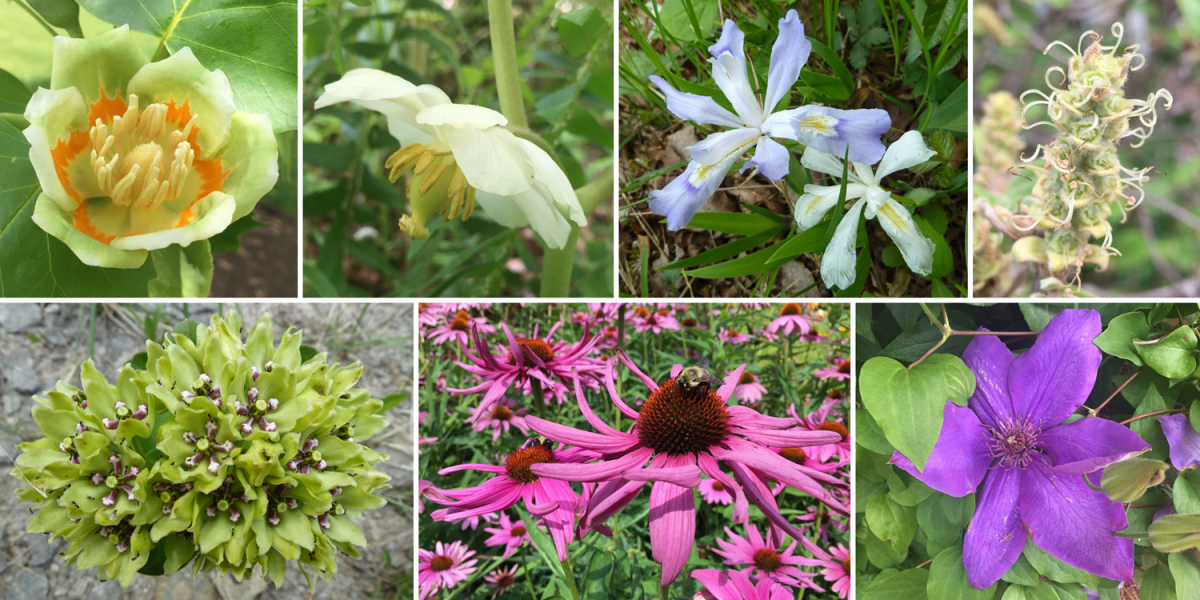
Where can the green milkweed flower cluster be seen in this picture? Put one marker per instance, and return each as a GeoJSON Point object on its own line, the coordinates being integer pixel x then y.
{"type": "Point", "coordinates": [1082, 176]}
{"type": "Point", "coordinates": [220, 453]}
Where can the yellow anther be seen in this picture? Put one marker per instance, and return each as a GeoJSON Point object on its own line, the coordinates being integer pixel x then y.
{"type": "Point", "coordinates": [434, 176]}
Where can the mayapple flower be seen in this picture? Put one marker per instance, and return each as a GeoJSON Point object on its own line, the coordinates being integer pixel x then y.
{"type": "Point", "coordinates": [161, 460]}
{"type": "Point", "coordinates": [134, 156]}
{"type": "Point", "coordinates": [460, 154]}
{"type": "Point", "coordinates": [756, 123]}
{"type": "Point", "coordinates": [1082, 176]}
{"type": "Point", "coordinates": [839, 265]}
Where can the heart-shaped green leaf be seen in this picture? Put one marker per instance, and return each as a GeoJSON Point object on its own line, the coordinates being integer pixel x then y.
{"type": "Point", "coordinates": [1171, 356]}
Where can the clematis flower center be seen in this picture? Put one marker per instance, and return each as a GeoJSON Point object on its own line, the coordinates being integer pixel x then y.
{"type": "Point", "coordinates": [136, 161]}
{"type": "Point", "coordinates": [767, 560]}
{"type": "Point", "coordinates": [790, 309]}
{"type": "Point", "coordinates": [835, 427]}
{"type": "Point", "coordinates": [679, 420]}
{"type": "Point", "coordinates": [796, 455]}
{"type": "Point", "coordinates": [441, 563]}
{"type": "Point", "coordinates": [516, 466]}
{"type": "Point", "coordinates": [1015, 442]}
{"type": "Point", "coordinates": [438, 185]}
{"type": "Point", "coordinates": [537, 348]}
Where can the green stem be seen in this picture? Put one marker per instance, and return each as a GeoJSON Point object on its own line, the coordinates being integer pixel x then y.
{"type": "Point", "coordinates": [504, 56]}
{"type": "Point", "coordinates": [662, 592]}
{"type": "Point", "coordinates": [558, 264]}
{"type": "Point", "coordinates": [528, 581]}
{"type": "Point", "coordinates": [539, 398]}
{"type": "Point", "coordinates": [569, 571]}
{"type": "Point", "coordinates": [39, 18]}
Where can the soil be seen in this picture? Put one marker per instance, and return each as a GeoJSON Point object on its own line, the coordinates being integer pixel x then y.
{"type": "Point", "coordinates": [265, 265]}
{"type": "Point", "coordinates": [40, 344]}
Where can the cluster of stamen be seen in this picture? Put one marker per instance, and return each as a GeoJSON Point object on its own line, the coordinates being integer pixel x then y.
{"type": "Point", "coordinates": [434, 169]}
{"type": "Point", "coordinates": [119, 534]}
{"type": "Point", "coordinates": [116, 481]}
{"type": "Point", "coordinates": [679, 420]}
{"type": "Point", "coordinates": [1015, 442]}
{"type": "Point", "coordinates": [68, 443]}
{"type": "Point", "coordinates": [256, 413]}
{"type": "Point", "coordinates": [203, 387]}
{"type": "Point", "coordinates": [343, 432]}
{"type": "Point", "coordinates": [222, 501]}
{"type": "Point", "coordinates": [207, 447]}
{"type": "Point", "coordinates": [80, 398]}
{"type": "Point", "coordinates": [170, 492]}
{"type": "Point", "coordinates": [307, 458]}
{"type": "Point", "coordinates": [336, 509]}
{"type": "Point", "coordinates": [138, 160]}
{"type": "Point", "coordinates": [278, 504]}
{"type": "Point", "coordinates": [516, 466]}
{"type": "Point", "coordinates": [123, 413]}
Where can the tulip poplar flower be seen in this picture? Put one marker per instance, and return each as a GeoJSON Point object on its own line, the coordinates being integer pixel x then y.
{"type": "Point", "coordinates": [460, 154]}
{"type": "Point", "coordinates": [134, 156]}
{"type": "Point", "coordinates": [756, 123]}
{"type": "Point", "coordinates": [839, 265]}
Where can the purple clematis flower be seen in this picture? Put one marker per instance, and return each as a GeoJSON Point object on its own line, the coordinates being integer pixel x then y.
{"type": "Point", "coordinates": [1012, 438]}
{"type": "Point", "coordinates": [1183, 440]}
{"type": "Point", "coordinates": [826, 129]}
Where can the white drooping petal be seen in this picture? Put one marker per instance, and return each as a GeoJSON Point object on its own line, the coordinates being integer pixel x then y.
{"type": "Point", "coordinates": [818, 199]}
{"type": "Point", "coordinates": [905, 153]}
{"type": "Point", "coordinates": [864, 173]}
{"type": "Point", "coordinates": [491, 160]}
{"type": "Point", "coordinates": [826, 163]}
{"type": "Point", "coordinates": [838, 266]}
{"type": "Point", "coordinates": [730, 76]}
{"type": "Point", "coordinates": [914, 246]}
{"type": "Point", "coordinates": [461, 115]}
{"type": "Point", "coordinates": [720, 145]}
{"type": "Point", "coordinates": [789, 53]}
{"type": "Point", "coordinates": [392, 96]}
{"type": "Point", "coordinates": [548, 173]}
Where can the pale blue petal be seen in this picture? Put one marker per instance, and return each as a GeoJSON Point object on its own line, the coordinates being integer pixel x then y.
{"type": "Point", "coordinates": [771, 158]}
{"type": "Point", "coordinates": [718, 146]}
{"type": "Point", "coordinates": [732, 40]}
{"type": "Point", "coordinates": [730, 76]}
{"type": "Point", "coordinates": [701, 110]}
{"type": "Point", "coordinates": [789, 53]}
{"type": "Point", "coordinates": [683, 197]}
{"type": "Point", "coordinates": [831, 130]}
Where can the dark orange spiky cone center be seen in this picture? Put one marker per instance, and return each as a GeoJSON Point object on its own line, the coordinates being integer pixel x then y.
{"type": "Point", "coordinates": [718, 486]}
{"type": "Point", "coordinates": [844, 367]}
{"type": "Point", "coordinates": [836, 394]}
{"type": "Point", "coordinates": [680, 420]}
{"type": "Point", "coordinates": [795, 455]}
{"type": "Point", "coordinates": [767, 560]}
{"type": "Point", "coordinates": [501, 413]}
{"type": "Point", "coordinates": [538, 348]}
{"type": "Point", "coordinates": [505, 581]}
{"type": "Point", "coordinates": [641, 312]}
{"type": "Point", "coordinates": [790, 309]}
{"type": "Point", "coordinates": [835, 427]}
{"type": "Point", "coordinates": [516, 466]}
{"type": "Point", "coordinates": [747, 377]}
{"type": "Point", "coordinates": [441, 563]}
{"type": "Point", "coordinates": [460, 324]}
{"type": "Point", "coordinates": [846, 564]}
{"type": "Point", "coordinates": [518, 531]}
{"type": "Point", "coordinates": [688, 322]}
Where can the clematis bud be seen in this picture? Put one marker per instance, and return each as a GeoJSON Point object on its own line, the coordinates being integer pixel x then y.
{"type": "Point", "coordinates": [1127, 480]}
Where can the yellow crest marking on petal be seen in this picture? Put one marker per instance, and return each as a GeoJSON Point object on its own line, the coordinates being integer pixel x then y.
{"type": "Point", "coordinates": [702, 172]}
{"type": "Point", "coordinates": [818, 124]}
{"type": "Point", "coordinates": [889, 210]}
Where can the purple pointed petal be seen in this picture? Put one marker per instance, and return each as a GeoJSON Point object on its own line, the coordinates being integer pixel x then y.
{"type": "Point", "coordinates": [701, 110]}
{"type": "Point", "coordinates": [996, 537]}
{"type": "Point", "coordinates": [1054, 377]}
{"type": "Point", "coordinates": [990, 360]}
{"type": "Point", "coordinates": [771, 158]}
{"type": "Point", "coordinates": [831, 130]}
{"type": "Point", "coordinates": [960, 457]}
{"type": "Point", "coordinates": [683, 197]}
{"type": "Point", "coordinates": [1089, 444]}
{"type": "Point", "coordinates": [1074, 523]}
{"type": "Point", "coordinates": [672, 527]}
{"type": "Point", "coordinates": [789, 53]}
{"type": "Point", "coordinates": [1183, 440]}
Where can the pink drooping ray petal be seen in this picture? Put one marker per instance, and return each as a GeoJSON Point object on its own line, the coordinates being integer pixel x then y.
{"type": "Point", "coordinates": [781, 470]}
{"type": "Point", "coordinates": [748, 418]}
{"type": "Point", "coordinates": [741, 508]}
{"type": "Point", "coordinates": [672, 526]}
{"type": "Point", "coordinates": [609, 498]}
{"type": "Point", "coordinates": [758, 493]}
{"type": "Point", "coordinates": [1089, 444]}
{"type": "Point", "coordinates": [499, 469]}
{"type": "Point", "coordinates": [592, 419]}
{"type": "Point", "coordinates": [795, 438]}
{"type": "Point", "coordinates": [686, 475]}
{"type": "Point", "coordinates": [610, 385]}
{"type": "Point", "coordinates": [514, 347]}
{"type": "Point", "coordinates": [996, 536]}
{"type": "Point", "coordinates": [595, 472]}
{"type": "Point", "coordinates": [530, 494]}
{"type": "Point", "coordinates": [676, 369]}
{"type": "Point", "coordinates": [624, 358]}
{"type": "Point", "coordinates": [960, 457]}
{"type": "Point", "coordinates": [736, 585]}
{"type": "Point", "coordinates": [560, 522]}
{"type": "Point", "coordinates": [1053, 378]}
{"type": "Point", "coordinates": [989, 359]}
{"type": "Point", "coordinates": [499, 496]}
{"type": "Point", "coordinates": [725, 392]}
{"type": "Point", "coordinates": [605, 444]}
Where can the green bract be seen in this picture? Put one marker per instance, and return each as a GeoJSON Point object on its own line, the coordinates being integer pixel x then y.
{"type": "Point", "coordinates": [134, 156]}
{"type": "Point", "coordinates": [222, 453]}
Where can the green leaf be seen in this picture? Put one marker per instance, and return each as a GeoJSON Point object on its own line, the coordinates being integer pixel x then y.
{"type": "Point", "coordinates": [942, 142]}
{"type": "Point", "coordinates": [868, 434]}
{"type": "Point", "coordinates": [908, 403]}
{"type": "Point", "coordinates": [1187, 492]}
{"type": "Point", "coordinates": [738, 267]}
{"type": "Point", "coordinates": [724, 251]}
{"type": "Point", "coordinates": [803, 242]}
{"type": "Point", "coordinates": [1171, 356]}
{"type": "Point", "coordinates": [13, 94]}
{"type": "Point", "coordinates": [951, 114]}
{"type": "Point", "coordinates": [906, 585]}
{"type": "Point", "coordinates": [677, 23]}
{"type": "Point", "coordinates": [948, 578]}
{"type": "Point", "coordinates": [1186, 572]}
{"type": "Point", "coordinates": [579, 29]}
{"type": "Point", "coordinates": [1118, 339]}
{"type": "Point", "coordinates": [1158, 583]}
{"type": "Point", "coordinates": [333, 158]}
{"type": "Point", "coordinates": [1127, 480]}
{"type": "Point", "coordinates": [182, 272]}
{"type": "Point", "coordinates": [253, 41]}
{"type": "Point", "coordinates": [943, 258]}
{"type": "Point", "coordinates": [1148, 428]}
{"type": "Point", "coordinates": [541, 542]}
{"type": "Point", "coordinates": [59, 13]}
{"type": "Point", "coordinates": [230, 239]}
{"type": "Point", "coordinates": [1022, 573]}
{"type": "Point", "coordinates": [943, 520]}
{"type": "Point", "coordinates": [34, 263]}
{"type": "Point", "coordinates": [553, 106]}
{"type": "Point", "coordinates": [735, 223]}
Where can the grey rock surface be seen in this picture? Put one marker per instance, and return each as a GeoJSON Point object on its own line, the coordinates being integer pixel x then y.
{"type": "Point", "coordinates": [40, 344]}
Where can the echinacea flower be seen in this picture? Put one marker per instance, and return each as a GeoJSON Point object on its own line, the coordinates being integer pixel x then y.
{"type": "Point", "coordinates": [818, 421]}
{"type": "Point", "coordinates": [715, 492]}
{"type": "Point", "coordinates": [791, 320]}
{"type": "Point", "coordinates": [444, 568]}
{"type": "Point", "coordinates": [460, 154]}
{"type": "Point", "coordinates": [653, 321]}
{"type": "Point", "coordinates": [840, 370]}
{"type": "Point", "coordinates": [765, 558]}
{"type": "Point", "coordinates": [756, 123]}
{"type": "Point", "coordinates": [508, 533]}
{"type": "Point", "coordinates": [748, 390]}
{"type": "Point", "coordinates": [732, 336]}
{"type": "Point", "coordinates": [500, 417]}
{"type": "Point", "coordinates": [1183, 441]}
{"type": "Point", "coordinates": [837, 570]}
{"type": "Point", "coordinates": [550, 499]}
{"type": "Point", "coordinates": [458, 327]}
{"type": "Point", "coordinates": [680, 433]}
{"type": "Point", "coordinates": [1011, 437]}
{"type": "Point", "coordinates": [838, 266]}
{"type": "Point", "coordinates": [134, 156]}
{"type": "Point", "coordinates": [501, 580]}
{"type": "Point", "coordinates": [736, 585]}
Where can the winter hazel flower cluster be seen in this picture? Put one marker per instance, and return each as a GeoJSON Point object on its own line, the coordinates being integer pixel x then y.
{"type": "Point", "coordinates": [608, 425]}
{"type": "Point", "coordinates": [226, 454]}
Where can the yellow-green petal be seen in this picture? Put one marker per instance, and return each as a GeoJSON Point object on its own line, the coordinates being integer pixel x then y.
{"type": "Point", "coordinates": [252, 158]}
{"type": "Point", "coordinates": [108, 61]}
{"type": "Point", "coordinates": [52, 116]}
{"type": "Point", "coordinates": [181, 77]}
{"type": "Point", "coordinates": [56, 222]}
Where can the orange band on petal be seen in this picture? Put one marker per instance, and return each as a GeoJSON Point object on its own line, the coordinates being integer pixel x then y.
{"type": "Point", "coordinates": [63, 153]}
{"type": "Point", "coordinates": [185, 218]}
{"type": "Point", "coordinates": [85, 226]}
{"type": "Point", "coordinates": [106, 108]}
{"type": "Point", "coordinates": [212, 176]}
{"type": "Point", "coordinates": [180, 115]}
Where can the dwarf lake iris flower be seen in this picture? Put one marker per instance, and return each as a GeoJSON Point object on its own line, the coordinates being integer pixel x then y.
{"type": "Point", "coordinates": [1012, 438]}
{"type": "Point", "coordinates": [839, 265]}
{"type": "Point", "coordinates": [756, 123]}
